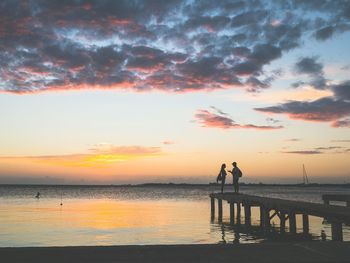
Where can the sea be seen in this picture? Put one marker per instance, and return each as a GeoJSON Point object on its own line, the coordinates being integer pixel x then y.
{"type": "Point", "coordinates": [142, 215]}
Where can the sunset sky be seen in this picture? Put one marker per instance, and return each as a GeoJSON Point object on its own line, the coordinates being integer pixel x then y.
{"type": "Point", "coordinates": [166, 91]}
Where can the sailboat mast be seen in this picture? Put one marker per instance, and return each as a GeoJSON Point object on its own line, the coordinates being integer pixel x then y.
{"type": "Point", "coordinates": [305, 179]}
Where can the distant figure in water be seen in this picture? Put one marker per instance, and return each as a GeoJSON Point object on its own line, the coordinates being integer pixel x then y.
{"type": "Point", "coordinates": [222, 176]}
{"type": "Point", "coordinates": [236, 174]}
{"type": "Point", "coordinates": [37, 195]}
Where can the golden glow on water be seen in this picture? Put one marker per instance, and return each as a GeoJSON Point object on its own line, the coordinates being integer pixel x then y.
{"type": "Point", "coordinates": [108, 215]}
{"type": "Point", "coordinates": [103, 221]}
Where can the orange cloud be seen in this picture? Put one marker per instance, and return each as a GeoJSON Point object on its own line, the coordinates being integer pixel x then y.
{"type": "Point", "coordinates": [168, 142]}
{"type": "Point", "coordinates": [100, 156]}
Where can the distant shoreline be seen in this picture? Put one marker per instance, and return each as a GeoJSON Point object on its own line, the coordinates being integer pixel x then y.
{"type": "Point", "coordinates": [346, 185]}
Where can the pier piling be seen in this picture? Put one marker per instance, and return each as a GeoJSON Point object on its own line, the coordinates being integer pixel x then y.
{"type": "Point", "coordinates": [220, 209]}
{"type": "Point", "coordinates": [337, 231]}
{"type": "Point", "coordinates": [305, 224]}
{"type": "Point", "coordinates": [232, 213]}
{"type": "Point", "coordinates": [212, 208]}
{"type": "Point", "coordinates": [247, 213]}
{"type": "Point", "coordinates": [282, 222]}
{"type": "Point", "coordinates": [261, 216]}
{"type": "Point", "coordinates": [238, 213]}
{"type": "Point", "coordinates": [292, 222]}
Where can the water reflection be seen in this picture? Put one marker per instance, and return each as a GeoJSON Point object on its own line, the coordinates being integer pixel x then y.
{"type": "Point", "coordinates": [94, 222]}
{"type": "Point", "coordinates": [242, 233]}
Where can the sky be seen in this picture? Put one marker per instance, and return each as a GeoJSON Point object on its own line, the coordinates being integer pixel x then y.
{"type": "Point", "coordinates": [110, 92]}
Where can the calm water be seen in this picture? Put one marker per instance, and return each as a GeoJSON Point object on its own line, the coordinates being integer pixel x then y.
{"type": "Point", "coordinates": [110, 215]}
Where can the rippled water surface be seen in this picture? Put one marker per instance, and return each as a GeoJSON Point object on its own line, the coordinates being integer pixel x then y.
{"type": "Point", "coordinates": [116, 215]}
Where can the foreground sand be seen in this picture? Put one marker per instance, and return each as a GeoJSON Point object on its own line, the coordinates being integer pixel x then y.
{"type": "Point", "coordinates": [336, 252]}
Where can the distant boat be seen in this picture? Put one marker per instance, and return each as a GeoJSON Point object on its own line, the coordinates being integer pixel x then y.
{"type": "Point", "coordinates": [305, 178]}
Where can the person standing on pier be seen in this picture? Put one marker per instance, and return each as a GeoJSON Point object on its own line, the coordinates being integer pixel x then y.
{"type": "Point", "coordinates": [222, 176]}
{"type": "Point", "coordinates": [236, 174]}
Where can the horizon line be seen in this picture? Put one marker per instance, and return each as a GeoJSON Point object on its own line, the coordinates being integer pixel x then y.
{"type": "Point", "coordinates": [181, 184]}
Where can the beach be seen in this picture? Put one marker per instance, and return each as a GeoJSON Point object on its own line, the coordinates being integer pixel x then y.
{"type": "Point", "coordinates": [302, 252]}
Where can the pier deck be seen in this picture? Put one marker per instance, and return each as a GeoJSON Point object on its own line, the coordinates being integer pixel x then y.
{"type": "Point", "coordinates": [284, 209]}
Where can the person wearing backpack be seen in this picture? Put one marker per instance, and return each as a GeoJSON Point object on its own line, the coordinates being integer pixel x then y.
{"type": "Point", "coordinates": [222, 177]}
{"type": "Point", "coordinates": [236, 174]}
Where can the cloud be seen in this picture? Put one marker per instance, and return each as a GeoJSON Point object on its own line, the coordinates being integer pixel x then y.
{"type": "Point", "coordinates": [328, 148]}
{"type": "Point", "coordinates": [340, 140]}
{"type": "Point", "coordinates": [247, 18]}
{"type": "Point", "coordinates": [221, 120]}
{"type": "Point", "coordinates": [345, 67]}
{"type": "Point", "coordinates": [218, 111]}
{"type": "Point", "coordinates": [314, 69]}
{"type": "Point", "coordinates": [255, 84]}
{"type": "Point", "coordinates": [342, 91]}
{"type": "Point", "coordinates": [308, 65]}
{"type": "Point", "coordinates": [298, 84]}
{"type": "Point", "coordinates": [328, 31]}
{"type": "Point", "coordinates": [321, 150]}
{"type": "Point", "coordinates": [293, 140]}
{"type": "Point", "coordinates": [210, 23]}
{"type": "Point", "coordinates": [209, 119]}
{"type": "Point", "coordinates": [324, 33]}
{"type": "Point", "coordinates": [99, 156]}
{"type": "Point", "coordinates": [168, 142]}
{"type": "Point", "coordinates": [272, 120]}
{"type": "Point", "coordinates": [265, 53]}
{"type": "Point", "coordinates": [345, 123]}
{"type": "Point", "coordinates": [321, 110]}
{"type": "Point", "coordinates": [305, 152]}
{"type": "Point", "coordinates": [334, 109]}
{"type": "Point", "coordinates": [128, 150]}
{"type": "Point", "coordinates": [173, 46]}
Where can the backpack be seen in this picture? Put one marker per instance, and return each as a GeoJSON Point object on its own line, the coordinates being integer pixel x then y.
{"type": "Point", "coordinates": [240, 174]}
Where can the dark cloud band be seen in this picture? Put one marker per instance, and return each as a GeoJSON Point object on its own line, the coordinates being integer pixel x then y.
{"type": "Point", "coordinates": [170, 45]}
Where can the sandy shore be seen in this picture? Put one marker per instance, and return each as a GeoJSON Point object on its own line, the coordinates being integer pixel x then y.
{"type": "Point", "coordinates": [336, 252]}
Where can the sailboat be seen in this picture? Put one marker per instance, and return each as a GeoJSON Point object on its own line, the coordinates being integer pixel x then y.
{"type": "Point", "coordinates": [305, 178]}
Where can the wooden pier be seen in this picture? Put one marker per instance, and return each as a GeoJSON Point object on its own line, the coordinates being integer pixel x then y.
{"type": "Point", "coordinates": [327, 199]}
{"type": "Point", "coordinates": [283, 209]}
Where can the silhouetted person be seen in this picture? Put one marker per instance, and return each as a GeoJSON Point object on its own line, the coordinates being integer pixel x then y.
{"type": "Point", "coordinates": [222, 176]}
{"type": "Point", "coordinates": [236, 174]}
{"type": "Point", "coordinates": [37, 195]}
